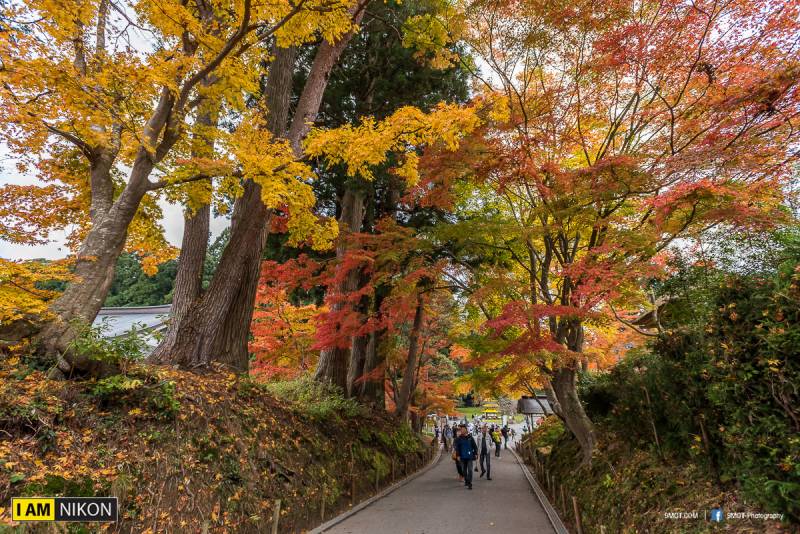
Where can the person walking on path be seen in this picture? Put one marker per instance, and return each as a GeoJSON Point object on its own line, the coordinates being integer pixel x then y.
{"type": "Point", "coordinates": [447, 437]}
{"type": "Point", "coordinates": [497, 441]}
{"type": "Point", "coordinates": [485, 449]}
{"type": "Point", "coordinates": [504, 432]}
{"type": "Point", "coordinates": [467, 451]}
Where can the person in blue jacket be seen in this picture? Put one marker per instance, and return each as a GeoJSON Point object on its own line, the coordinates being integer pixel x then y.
{"type": "Point", "coordinates": [467, 451]}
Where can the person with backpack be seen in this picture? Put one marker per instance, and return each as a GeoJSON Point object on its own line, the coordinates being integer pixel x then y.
{"type": "Point", "coordinates": [466, 450]}
{"type": "Point", "coordinates": [504, 432]}
{"type": "Point", "coordinates": [497, 441]}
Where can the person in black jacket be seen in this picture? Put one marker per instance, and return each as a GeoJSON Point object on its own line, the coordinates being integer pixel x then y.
{"type": "Point", "coordinates": [485, 449]}
{"type": "Point", "coordinates": [467, 451]}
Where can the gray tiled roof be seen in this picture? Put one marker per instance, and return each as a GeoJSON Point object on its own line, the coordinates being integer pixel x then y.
{"type": "Point", "coordinates": [528, 405]}
{"type": "Point", "coordinates": [119, 321]}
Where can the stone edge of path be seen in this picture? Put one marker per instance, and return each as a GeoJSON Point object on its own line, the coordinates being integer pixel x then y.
{"type": "Point", "coordinates": [552, 515]}
{"type": "Point", "coordinates": [363, 504]}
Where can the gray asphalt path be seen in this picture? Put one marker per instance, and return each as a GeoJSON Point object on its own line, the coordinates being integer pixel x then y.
{"type": "Point", "coordinates": [438, 503]}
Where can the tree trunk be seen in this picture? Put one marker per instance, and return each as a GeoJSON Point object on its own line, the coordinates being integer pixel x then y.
{"type": "Point", "coordinates": [218, 324]}
{"type": "Point", "coordinates": [407, 387]}
{"type": "Point", "coordinates": [334, 362]}
{"type": "Point", "coordinates": [564, 383]}
{"type": "Point", "coordinates": [194, 245]}
{"type": "Point", "coordinates": [94, 272]}
{"type": "Point", "coordinates": [231, 346]}
{"type": "Point", "coordinates": [552, 399]}
{"type": "Point", "coordinates": [372, 391]}
{"type": "Point", "coordinates": [215, 325]}
{"type": "Point", "coordinates": [358, 346]}
{"type": "Point", "coordinates": [358, 357]}
{"type": "Point", "coordinates": [193, 341]}
{"type": "Point", "coordinates": [189, 280]}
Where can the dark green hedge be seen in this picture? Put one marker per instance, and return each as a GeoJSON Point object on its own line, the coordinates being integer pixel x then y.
{"type": "Point", "coordinates": [725, 394]}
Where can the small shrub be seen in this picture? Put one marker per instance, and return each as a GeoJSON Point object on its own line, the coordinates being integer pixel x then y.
{"type": "Point", "coordinates": [549, 431]}
{"type": "Point", "coordinates": [92, 343]}
{"type": "Point", "coordinates": [317, 400]}
{"type": "Point", "coordinates": [138, 390]}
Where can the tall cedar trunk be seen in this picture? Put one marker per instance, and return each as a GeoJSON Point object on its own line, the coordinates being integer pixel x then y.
{"type": "Point", "coordinates": [407, 387]}
{"type": "Point", "coordinates": [358, 357]}
{"type": "Point", "coordinates": [334, 362]}
{"type": "Point", "coordinates": [358, 344]}
{"type": "Point", "coordinates": [372, 391]}
{"type": "Point", "coordinates": [231, 344]}
{"type": "Point", "coordinates": [210, 329]}
{"type": "Point", "coordinates": [223, 314]}
{"type": "Point", "coordinates": [194, 245]}
{"type": "Point", "coordinates": [193, 340]}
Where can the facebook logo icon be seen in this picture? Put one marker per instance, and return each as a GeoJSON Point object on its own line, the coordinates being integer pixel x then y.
{"type": "Point", "coordinates": [717, 515]}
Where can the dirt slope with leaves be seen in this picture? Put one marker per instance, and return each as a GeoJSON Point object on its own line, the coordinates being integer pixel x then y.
{"type": "Point", "coordinates": [189, 452]}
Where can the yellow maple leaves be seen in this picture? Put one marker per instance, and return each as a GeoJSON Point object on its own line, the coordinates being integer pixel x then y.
{"type": "Point", "coordinates": [23, 291]}
{"type": "Point", "coordinates": [360, 147]}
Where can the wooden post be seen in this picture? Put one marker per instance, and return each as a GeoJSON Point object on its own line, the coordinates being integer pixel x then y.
{"type": "Point", "coordinates": [549, 490]}
{"type": "Point", "coordinates": [322, 505]}
{"type": "Point", "coordinates": [394, 477]}
{"type": "Point", "coordinates": [578, 526]}
{"type": "Point", "coordinates": [276, 516]}
{"type": "Point", "coordinates": [352, 477]}
{"type": "Point", "coordinates": [563, 500]}
{"type": "Point", "coordinates": [376, 480]}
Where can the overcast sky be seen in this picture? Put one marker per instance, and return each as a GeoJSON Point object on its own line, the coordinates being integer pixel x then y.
{"type": "Point", "coordinates": [172, 221]}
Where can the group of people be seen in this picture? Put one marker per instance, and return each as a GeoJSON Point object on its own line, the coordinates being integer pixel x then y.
{"type": "Point", "coordinates": [475, 443]}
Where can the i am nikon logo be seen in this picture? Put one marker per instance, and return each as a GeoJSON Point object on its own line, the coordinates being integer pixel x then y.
{"type": "Point", "coordinates": [64, 509]}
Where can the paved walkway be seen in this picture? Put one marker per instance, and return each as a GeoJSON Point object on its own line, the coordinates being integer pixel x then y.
{"type": "Point", "coordinates": [438, 503]}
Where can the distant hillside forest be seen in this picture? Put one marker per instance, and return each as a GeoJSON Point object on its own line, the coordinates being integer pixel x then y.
{"type": "Point", "coordinates": [133, 287]}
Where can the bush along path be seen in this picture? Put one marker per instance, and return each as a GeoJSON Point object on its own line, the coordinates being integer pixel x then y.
{"type": "Point", "coordinates": [626, 489]}
{"type": "Point", "coordinates": [188, 452]}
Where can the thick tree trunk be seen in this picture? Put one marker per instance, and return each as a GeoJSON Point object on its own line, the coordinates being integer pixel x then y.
{"type": "Point", "coordinates": [231, 345]}
{"type": "Point", "coordinates": [358, 346]}
{"type": "Point", "coordinates": [94, 272]}
{"type": "Point", "coordinates": [565, 386]}
{"type": "Point", "coordinates": [193, 340]}
{"type": "Point", "coordinates": [194, 245]}
{"type": "Point", "coordinates": [407, 387]}
{"type": "Point", "coordinates": [189, 280]}
{"type": "Point", "coordinates": [333, 365]}
{"type": "Point", "coordinates": [215, 326]}
{"type": "Point", "coordinates": [358, 357]}
{"type": "Point", "coordinates": [372, 391]}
